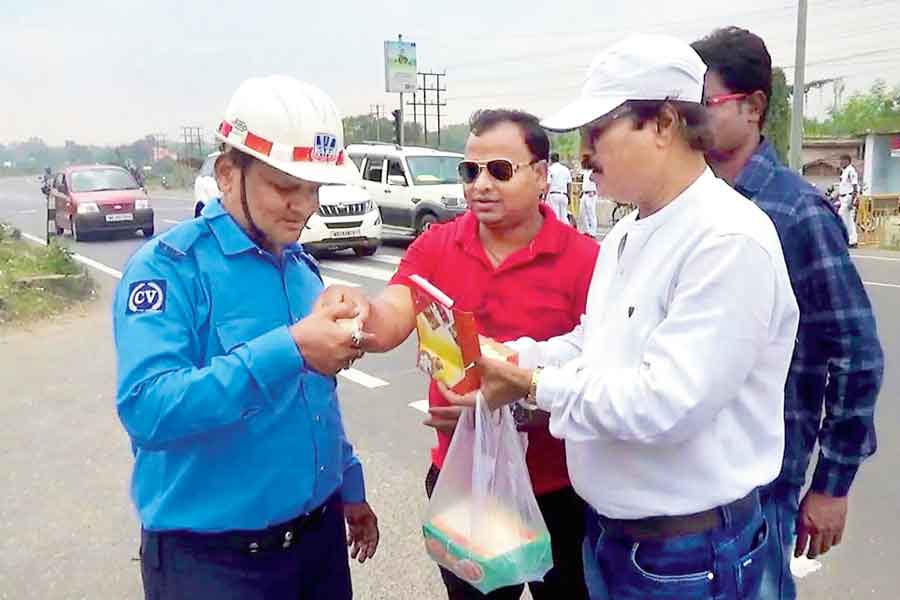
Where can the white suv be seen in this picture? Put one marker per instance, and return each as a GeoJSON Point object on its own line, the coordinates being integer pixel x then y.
{"type": "Point", "coordinates": [413, 187]}
{"type": "Point", "coordinates": [347, 218]}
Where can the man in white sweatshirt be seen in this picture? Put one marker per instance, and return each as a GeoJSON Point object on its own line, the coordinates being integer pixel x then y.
{"type": "Point", "coordinates": [670, 393]}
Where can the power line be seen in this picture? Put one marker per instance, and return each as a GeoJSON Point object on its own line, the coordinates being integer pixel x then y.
{"type": "Point", "coordinates": [568, 68]}
{"type": "Point", "coordinates": [425, 103]}
{"type": "Point", "coordinates": [519, 94]}
{"type": "Point", "coordinates": [192, 135]}
{"type": "Point", "coordinates": [596, 34]}
{"type": "Point", "coordinates": [846, 57]}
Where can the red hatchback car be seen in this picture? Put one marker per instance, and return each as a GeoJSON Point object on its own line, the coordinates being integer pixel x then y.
{"type": "Point", "coordinates": [100, 198]}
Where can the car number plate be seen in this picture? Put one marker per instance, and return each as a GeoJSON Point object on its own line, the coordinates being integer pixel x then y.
{"type": "Point", "coordinates": [345, 233]}
{"type": "Point", "coordinates": [118, 217]}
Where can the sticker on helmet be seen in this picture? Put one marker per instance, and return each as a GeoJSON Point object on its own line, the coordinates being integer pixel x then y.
{"type": "Point", "coordinates": [325, 148]}
{"type": "Point", "coordinates": [147, 296]}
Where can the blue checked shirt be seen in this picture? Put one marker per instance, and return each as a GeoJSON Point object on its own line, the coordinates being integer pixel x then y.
{"type": "Point", "coordinates": [838, 362]}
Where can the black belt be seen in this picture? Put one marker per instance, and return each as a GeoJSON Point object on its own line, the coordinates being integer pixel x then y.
{"type": "Point", "coordinates": [280, 536]}
{"type": "Point", "coordinates": [658, 528]}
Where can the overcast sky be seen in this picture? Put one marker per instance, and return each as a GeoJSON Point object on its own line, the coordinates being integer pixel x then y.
{"type": "Point", "coordinates": [110, 72]}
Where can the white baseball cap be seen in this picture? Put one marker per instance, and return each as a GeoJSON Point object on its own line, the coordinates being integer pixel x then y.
{"type": "Point", "coordinates": [640, 67]}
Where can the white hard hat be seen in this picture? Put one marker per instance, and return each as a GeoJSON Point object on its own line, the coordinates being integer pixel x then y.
{"type": "Point", "coordinates": [641, 67]}
{"type": "Point", "coordinates": [290, 125]}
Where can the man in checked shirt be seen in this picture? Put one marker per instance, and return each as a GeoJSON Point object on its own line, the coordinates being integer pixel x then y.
{"type": "Point", "coordinates": [838, 361]}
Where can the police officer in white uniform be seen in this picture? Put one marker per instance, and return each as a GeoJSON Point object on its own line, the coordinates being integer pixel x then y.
{"type": "Point", "coordinates": [558, 178]}
{"type": "Point", "coordinates": [848, 190]}
{"type": "Point", "coordinates": [587, 209]}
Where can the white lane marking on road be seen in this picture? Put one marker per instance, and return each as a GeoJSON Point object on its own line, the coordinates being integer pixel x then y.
{"type": "Point", "coordinates": [32, 211]}
{"type": "Point", "coordinates": [801, 567]}
{"type": "Point", "coordinates": [386, 258]}
{"type": "Point", "coordinates": [97, 265]}
{"type": "Point", "coordinates": [170, 221]}
{"type": "Point", "coordinates": [361, 271]}
{"type": "Point", "coordinates": [867, 257]}
{"type": "Point", "coordinates": [90, 262]}
{"type": "Point", "coordinates": [34, 239]}
{"type": "Point", "coordinates": [420, 405]}
{"type": "Point", "coordinates": [878, 284]}
{"type": "Point", "coordinates": [363, 379]}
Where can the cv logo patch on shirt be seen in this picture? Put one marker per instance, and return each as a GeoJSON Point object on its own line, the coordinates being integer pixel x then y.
{"type": "Point", "coordinates": [147, 296]}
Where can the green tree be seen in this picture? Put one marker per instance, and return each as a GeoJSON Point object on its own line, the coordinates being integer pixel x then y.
{"type": "Point", "coordinates": [878, 109]}
{"type": "Point", "coordinates": [778, 119]}
{"type": "Point", "coordinates": [365, 128]}
{"type": "Point", "coordinates": [568, 145]}
{"type": "Point", "coordinates": [453, 137]}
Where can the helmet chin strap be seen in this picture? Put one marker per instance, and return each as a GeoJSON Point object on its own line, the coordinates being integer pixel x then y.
{"type": "Point", "coordinates": [256, 234]}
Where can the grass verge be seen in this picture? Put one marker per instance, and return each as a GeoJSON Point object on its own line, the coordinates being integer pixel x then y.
{"type": "Point", "coordinates": [37, 281]}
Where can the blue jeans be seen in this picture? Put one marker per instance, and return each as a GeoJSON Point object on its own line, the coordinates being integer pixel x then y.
{"type": "Point", "coordinates": [722, 564]}
{"type": "Point", "coordinates": [780, 506]}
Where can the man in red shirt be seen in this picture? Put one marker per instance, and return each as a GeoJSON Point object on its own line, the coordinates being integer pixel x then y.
{"type": "Point", "coordinates": [523, 273]}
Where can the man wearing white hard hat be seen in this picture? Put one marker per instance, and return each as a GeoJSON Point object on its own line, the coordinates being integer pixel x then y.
{"type": "Point", "coordinates": [670, 393]}
{"type": "Point", "coordinates": [244, 480]}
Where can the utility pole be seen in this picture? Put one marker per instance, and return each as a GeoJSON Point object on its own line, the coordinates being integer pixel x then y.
{"type": "Point", "coordinates": [795, 156]}
{"type": "Point", "coordinates": [375, 113]}
{"type": "Point", "coordinates": [159, 141]}
{"type": "Point", "coordinates": [425, 107]}
{"type": "Point", "coordinates": [425, 103]}
{"type": "Point", "coordinates": [438, 91]}
{"type": "Point", "coordinates": [192, 135]}
{"type": "Point", "coordinates": [402, 136]}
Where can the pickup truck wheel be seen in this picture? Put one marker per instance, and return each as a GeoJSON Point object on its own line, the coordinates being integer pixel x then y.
{"type": "Point", "coordinates": [425, 221]}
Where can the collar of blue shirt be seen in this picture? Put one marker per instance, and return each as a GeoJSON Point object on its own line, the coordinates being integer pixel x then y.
{"type": "Point", "coordinates": [231, 237]}
{"type": "Point", "coordinates": [759, 170]}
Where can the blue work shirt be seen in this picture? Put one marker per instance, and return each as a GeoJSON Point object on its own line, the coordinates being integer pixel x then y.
{"type": "Point", "coordinates": [230, 429]}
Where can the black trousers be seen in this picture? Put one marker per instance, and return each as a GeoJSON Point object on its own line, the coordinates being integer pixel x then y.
{"type": "Point", "coordinates": [563, 511]}
{"type": "Point", "coordinates": [189, 566]}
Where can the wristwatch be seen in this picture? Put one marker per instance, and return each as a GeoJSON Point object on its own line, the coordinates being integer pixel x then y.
{"type": "Point", "coordinates": [530, 401]}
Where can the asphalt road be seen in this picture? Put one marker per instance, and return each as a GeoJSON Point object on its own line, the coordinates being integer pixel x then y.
{"type": "Point", "coordinates": [382, 402]}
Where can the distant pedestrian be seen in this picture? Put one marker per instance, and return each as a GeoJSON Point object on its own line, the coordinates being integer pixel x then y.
{"type": "Point", "coordinates": [848, 196]}
{"type": "Point", "coordinates": [587, 208]}
{"type": "Point", "coordinates": [558, 178]}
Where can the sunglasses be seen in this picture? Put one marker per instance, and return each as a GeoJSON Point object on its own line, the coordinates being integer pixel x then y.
{"type": "Point", "coordinates": [595, 129]}
{"type": "Point", "coordinates": [722, 99]}
{"type": "Point", "coordinates": [498, 168]}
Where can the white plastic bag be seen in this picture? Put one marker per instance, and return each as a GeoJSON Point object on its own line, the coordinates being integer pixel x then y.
{"type": "Point", "coordinates": [483, 522]}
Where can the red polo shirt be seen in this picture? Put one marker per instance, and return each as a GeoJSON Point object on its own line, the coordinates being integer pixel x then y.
{"type": "Point", "coordinates": [539, 291]}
